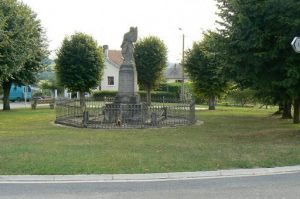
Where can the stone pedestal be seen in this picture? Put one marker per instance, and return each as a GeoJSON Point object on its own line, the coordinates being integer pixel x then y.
{"type": "Point", "coordinates": [128, 88]}
{"type": "Point", "coordinates": [125, 113]}
{"type": "Point", "coordinates": [127, 107]}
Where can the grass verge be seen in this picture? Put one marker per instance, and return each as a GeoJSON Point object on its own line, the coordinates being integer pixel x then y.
{"type": "Point", "coordinates": [229, 138]}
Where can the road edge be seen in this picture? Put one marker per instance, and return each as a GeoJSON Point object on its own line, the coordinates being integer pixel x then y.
{"type": "Point", "coordinates": [147, 177]}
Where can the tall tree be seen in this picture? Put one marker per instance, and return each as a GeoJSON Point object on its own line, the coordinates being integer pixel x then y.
{"type": "Point", "coordinates": [205, 68]}
{"type": "Point", "coordinates": [151, 59]}
{"type": "Point", "coordinates": [258, 34]}
{"type": "Point", "coordinates": [22, 46]}
{"type": "Point", "coordinates": [79, 64]}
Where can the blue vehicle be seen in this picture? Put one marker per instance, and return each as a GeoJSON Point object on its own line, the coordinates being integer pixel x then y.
{"type": "Point", "coordinates": [17, 93]}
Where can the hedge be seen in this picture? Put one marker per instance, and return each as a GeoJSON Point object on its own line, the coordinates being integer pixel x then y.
{"type": "Point", "coordinates": [155, 95]}
{"type": "Point", "coordinates": [158, 94]}
{"type": "Point", "coordinates": [102, 94]}
{"type": "Point", "coordinates": [170, 87]}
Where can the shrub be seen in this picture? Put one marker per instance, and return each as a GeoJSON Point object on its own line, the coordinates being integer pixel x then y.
{"type": "Point", "coordinates": [102, 94]}
{"type": "Point", "coordinates": [170, 87]}
{"type": "Point", "coordinates": [157, 96]}
{"type": "Point", "coordinates": [241, 97]}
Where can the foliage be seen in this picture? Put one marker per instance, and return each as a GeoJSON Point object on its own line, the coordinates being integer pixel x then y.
{"type": "Point", "coordinates": [155, 94]}
{"type": "Point", "coordinates": [241, 96]}
{"type": "Point", "coordinates": [151, 59]}
{"type": "Point", "coordinates": [22, 46]}
{"type": "Point", "coordinates": [171, 87]}
{"type": "Point", "coordinates": [102, 94]}
{"type": "Point", "coordinates": [205, 67]}
{"type": "Point", "coordinates": [22, 38]}
{"type": "Point", "coordinates": [79, 63]}
{"type": "Point", "coordinates": [258, 34]}
{"type": "Point", "coordinates": [46, 84]}
{"type": "Point", "coordinates": [49, 72]}
{"type": "Point", "coordinates": [159, 95]}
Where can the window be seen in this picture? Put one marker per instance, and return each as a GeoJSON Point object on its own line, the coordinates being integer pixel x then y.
{"type": "Point", "coordinates": [178, 81]}
{"type": "Point", "coordinates": [110, 80]}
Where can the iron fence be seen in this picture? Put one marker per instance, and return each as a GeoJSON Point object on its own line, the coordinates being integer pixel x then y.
{"type": "Point", "coordinates": [104, 113]}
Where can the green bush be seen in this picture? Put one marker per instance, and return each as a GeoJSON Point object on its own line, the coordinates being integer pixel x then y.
{"type": "Point", "coordinates": [241, 97]}
{"type": "Point", "coordinates": [102, 94]}
{"type": "Point", "coordinates": [157, 95]}
{"type": "Point", "coordinates": [200, 98]}
{"type": "Point", "coordinates": [174, 87]}
{"type": "Point", "coordinates": [170, 87]}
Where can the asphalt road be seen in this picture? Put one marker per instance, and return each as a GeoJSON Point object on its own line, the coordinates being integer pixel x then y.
{"type": "Point", "coordinates": [271, 187]}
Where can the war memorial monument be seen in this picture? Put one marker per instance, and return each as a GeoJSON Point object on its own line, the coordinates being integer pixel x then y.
{"type": "Point", "coordinates": [127, 109]}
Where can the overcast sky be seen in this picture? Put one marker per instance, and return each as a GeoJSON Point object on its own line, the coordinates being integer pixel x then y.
{"type": "Point", "coordinates": [108, 20]}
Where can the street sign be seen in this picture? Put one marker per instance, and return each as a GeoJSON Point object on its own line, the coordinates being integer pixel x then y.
{"type": "Point", "coordinates": [296, 44]}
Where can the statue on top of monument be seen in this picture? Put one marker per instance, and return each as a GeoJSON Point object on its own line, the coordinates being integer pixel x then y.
{"type": "Point", "coordinates": [127, 45]}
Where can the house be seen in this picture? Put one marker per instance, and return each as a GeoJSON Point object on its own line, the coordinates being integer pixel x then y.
{"type": "Point", "coordinates": [20, 92]}
{"type": "Point", "coordinates": [174, 73]}
{"type": "Point", "coordinates": [113, 61]}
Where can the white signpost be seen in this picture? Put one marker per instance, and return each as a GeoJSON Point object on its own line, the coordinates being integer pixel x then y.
{"type": "Point", "coordinates": [296, 44]}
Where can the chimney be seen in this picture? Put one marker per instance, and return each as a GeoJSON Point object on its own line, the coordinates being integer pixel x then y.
{"type": "Point", "coordinates": [105, 50]}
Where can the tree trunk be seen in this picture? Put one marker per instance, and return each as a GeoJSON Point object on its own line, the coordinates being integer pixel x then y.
{"type": "Point", "coordinates": [287, 110]}
{"type": "Point", "coordinates": [6, 90]}
{"type": "Point", "coordinates": [212, 103]}
{"type": "Point", "coordinates": [85, 114]}
{"type": "Point", "coordinates": [82, 101]}
{"type": "Point", "coordinates": [280, 109]}
{"type": "Point", "coordinates": [296, 111]}
{"type": "Point", "coordinates": [149, 96]}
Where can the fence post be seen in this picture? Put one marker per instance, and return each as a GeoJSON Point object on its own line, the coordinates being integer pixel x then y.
{"type": "Point", "coordinates": [165, 112]}
{"type": "Point", "coordinates": [192, 111]}
{"type": "Point", "coordinates": [153, 119]}
{"type": "Point", "coordinates": [85, 118]}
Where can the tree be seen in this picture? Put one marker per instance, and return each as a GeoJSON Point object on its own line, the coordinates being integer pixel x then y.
{"type": "Point", "coordinates": [79, 64]}
{"type": "Point", "coordinates": [205, 68]}
{"type": "Point", "coordinates": [151, 59]}
{"type": "Point", "coordinates": [258, 35]}
{"type": "Point", "coordinates": [22, 46]}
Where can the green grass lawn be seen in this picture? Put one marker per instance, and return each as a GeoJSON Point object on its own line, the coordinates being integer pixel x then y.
{"type": "Point", "coordinates": [30, 143]}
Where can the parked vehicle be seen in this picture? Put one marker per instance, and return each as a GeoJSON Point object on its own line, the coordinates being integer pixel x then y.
{"type": "Point", "coordinates": [17, 93]}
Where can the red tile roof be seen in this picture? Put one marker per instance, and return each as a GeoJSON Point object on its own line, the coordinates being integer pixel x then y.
{"type": "Point", "coordinates": [115, 56]}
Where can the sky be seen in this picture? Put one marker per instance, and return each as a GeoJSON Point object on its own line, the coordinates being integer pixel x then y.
{"type": "Point", "coordinates": [108, 20]}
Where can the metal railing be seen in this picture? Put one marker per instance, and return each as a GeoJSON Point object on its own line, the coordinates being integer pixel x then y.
{"type": "Point", "coordinates": [104, 113]}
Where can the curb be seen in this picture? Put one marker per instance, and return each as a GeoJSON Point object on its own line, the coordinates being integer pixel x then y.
{"type": "Point", "coordinates": [147, 177]}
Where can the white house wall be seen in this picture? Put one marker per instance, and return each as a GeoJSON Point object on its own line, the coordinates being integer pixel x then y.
{"type": "Point", "coordinates": [110, 70]}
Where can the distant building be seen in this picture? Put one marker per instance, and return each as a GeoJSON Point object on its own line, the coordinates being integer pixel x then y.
{"type": "Point", "coordinates": [113, 61]}
{"type": "Point", "coordinates": [173, 73]}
